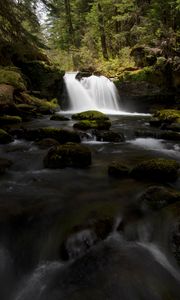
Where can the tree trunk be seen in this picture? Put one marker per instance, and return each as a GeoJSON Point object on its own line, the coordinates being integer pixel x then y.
{"type": "Point", "coordinates": [102, 32]}
{"type": "Point", "coordinates": [69, 20]}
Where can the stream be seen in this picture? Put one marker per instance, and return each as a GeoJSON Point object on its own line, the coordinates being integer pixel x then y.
{"type": "Point", "coordinates": [42, 208]}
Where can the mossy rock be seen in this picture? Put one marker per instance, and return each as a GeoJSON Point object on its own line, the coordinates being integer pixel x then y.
{"type": "Point", "coordinates": [94, 124]}
{"type": "Point", "coordinates": [68, 155]}
{"type": "Point", "coordinates": [7, 120]}
{"type": "Point", "coordinates": [5, 138]}
{"type": "Point", "coordinates": [157, 197]}
{"type": "Point", "coordinates": [109, 136]}
{"type": "Point", "coordinates": [168, 115]}
{"type": "Point", "coordinates": [47, 79]}
{"type": "Point", "coordinates": [90, 115]}
{"type": "Point", "coordinates": [47, 143]}
{"type": "Point", "coordinates": [57, 117]}
{"type": "Point", "coordinates": [118, 170]}
{"type": "Point", "coordinates": [42, 105]}
{"type": "Point", "coordinates": [4, 164]}
{"type": "Point", "coordinates": [13, 78]}
{"type": "Point", "coordinates": [157, 169]}
{"type": "Point", "coordinates": [61, 135]}
{"type": "Point", "coordinates": [144, 55]}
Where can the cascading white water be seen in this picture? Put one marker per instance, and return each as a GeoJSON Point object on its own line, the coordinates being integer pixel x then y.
{"type": "Point", "coordinates": [92, 93]}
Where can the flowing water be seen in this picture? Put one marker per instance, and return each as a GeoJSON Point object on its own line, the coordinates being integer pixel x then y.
{"type": "Point", "coordinates": [92, 93]}
{"type": "Point", "coordinates": [40, 209]}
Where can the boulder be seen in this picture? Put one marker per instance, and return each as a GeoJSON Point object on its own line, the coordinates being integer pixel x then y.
{"type": "Point", "coordinates": [168, 116]}
{"type": "Point", "coordinates": [94, 124]}
{"type": "Point", "coordinates": [157, 169]}
{"type": "Point", "coordinates": [157, 197]}
{"type": "Point", "coordinates": [47, 79]}
{"type": "Point", "coordinates": [109, 136]}
{"type": "Point", "coordinates": [4, 164]}
{"type": "Point", "coordinates": [90, 115]}
{"type": "Point", "coordinates": [145, 56]}
{"type": "Point", "coordinates": [5, 138]}
{"type": "Point", "coordinates": [118, 170]}
{"type": "Point", "coordinates": [61, 135]}
{"type": "Point", "coordinates": [12, 77]}
{"type": "Point", "coordinates": [47, 143]}
{"type": "Point", "coordinates": [68, 155]}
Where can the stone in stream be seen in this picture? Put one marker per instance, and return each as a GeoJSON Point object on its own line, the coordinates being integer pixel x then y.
{"type": "Point", "coordinates": [157, 197]}
{"type": "Point", "coordinates": [109, 136]}
{"type": "Point", "coordinates": [61, 135]}
{"type": "Point", "coordinates": [8, 120]}
{"type": "Point", "coordinates": [90, 115]}
{"type": "Point", "coordinates": [94, 124]}
{"type": "Point", "coordinates": [118, 170]}
{"type": "Point", "coordinates": [157, 169]}
{"type": "Point", "coordinates": [68, 155]}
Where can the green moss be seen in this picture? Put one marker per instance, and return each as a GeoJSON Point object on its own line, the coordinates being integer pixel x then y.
{"type": "Point", "coordinates": [39, 103]}
{"type": "Point", "coordinates": [68, 155]}
{"type": "Point", "coordinates": [6, 120]}
{"type": "Point", "coordinates": [61, 135]}
{"type": "Point", "coordinates": [5, 138]}
{"type": "Point", "coordinates": [94, 124]}
{"type": "Point", "coordinates": [168, 115]}
{"type": "Point", "coordinates": [90, 115]}
{"type": "Point", "coordinates": [12, 77]}
{"type": "Point", "coordinates": [149, 74]}
{"type": "Point", "coordinates": [157, 169]}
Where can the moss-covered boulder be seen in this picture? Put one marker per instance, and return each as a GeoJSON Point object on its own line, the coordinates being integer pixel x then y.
{"type": "Point", "coordinates": [42, 77]}
{"type": "Point", "coordinates": [68, 155]}
{"type": "Point", "coordinates": [109, 136]}
{"type": "Point", "coordinates": [40, 105]}
{"type": "Point", "coordinates": [8, 120]}
{"type": "Point", "coordinates": [4, 164]}
{"type": "Point", "coordinates": [157, 169]}
{"type": "Point", "coordinates": [145, 56]}
{"type": "Point", "coordinates": [5, 138]}
{"type": "Point", "coordinates": [61, 135]}
{"type": "Point", "coordinates": [12, 77]}
{"type": "Point", "coordinates": [168, 116]}
{"type": "Point", "coordinates": [57, 117]}
{"type": "Point", "coordinates": [157, 197]}
{"type": "Point", "coordinates": [90, 115]}
{"type": "Point", "coordinates": [118, 170]}
{"type": "Point", "coordinates": [47, 143]}
{"type": "Point", "coordinates": [94, 124]}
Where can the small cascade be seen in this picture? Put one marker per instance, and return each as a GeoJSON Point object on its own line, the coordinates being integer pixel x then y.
{"type": "Point", "coordinates": [91, 93]}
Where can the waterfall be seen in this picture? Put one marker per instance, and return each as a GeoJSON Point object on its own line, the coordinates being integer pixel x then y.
{"type": "Point", "coordinates": [91, 93]}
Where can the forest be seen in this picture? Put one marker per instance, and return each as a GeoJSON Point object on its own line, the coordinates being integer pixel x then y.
{"type": "Point", "coordinates": [82, 33]}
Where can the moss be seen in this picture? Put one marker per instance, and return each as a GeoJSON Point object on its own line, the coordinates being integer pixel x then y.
{"type": "Point", "coordinates": [42, 104]}
{"type": "Point", "coordinates": [6, 120]}
{"type": "Point", "coordinates": [90, 115]}
{"type": "Point", "coordinates": [86, 124]}
{"type": "Point", "coordinates": [68, 155]}
{"type": "Point", "coordinates": [12, 77]}
{"type": "Point", "coordinates": [158, 169]}
{"type": "Point", "coordinates": [44, 78]}
{"type": "Point", "coordinates": [168, 115]}
{"type": "Point", "coordinates": [109, 136]}
{"type": "Point", "coordinates": [61, 135]}
{"type": "Point", "coordinates": [118, 170]}
{"type": "Point", "coordinates": [5, 138]}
